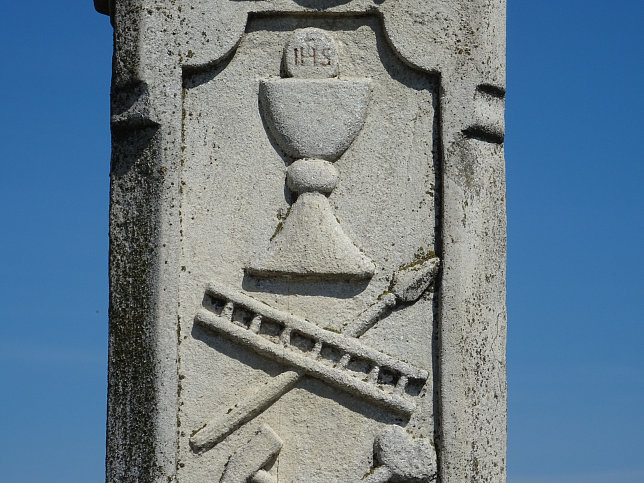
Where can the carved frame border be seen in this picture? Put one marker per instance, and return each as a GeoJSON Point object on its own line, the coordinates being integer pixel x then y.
{"type": "Point", "coordinates": [146, 136]}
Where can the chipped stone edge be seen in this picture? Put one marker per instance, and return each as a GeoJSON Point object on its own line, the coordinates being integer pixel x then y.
{"type": "Point", "coordinates": [142, 423]}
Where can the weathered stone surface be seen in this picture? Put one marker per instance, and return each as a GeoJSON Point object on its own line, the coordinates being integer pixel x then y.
{"type": "Point", "coordinates": [253, 457]}
{"type": "Point", "coordinates": [311, 52]}
{"type": "Point", "coordinates": [307, 262]}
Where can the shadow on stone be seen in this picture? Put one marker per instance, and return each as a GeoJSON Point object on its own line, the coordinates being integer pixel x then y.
{"type": "Point", "coordinates": [229, 349]}
{"type": "Point", "coordinates": [321, 4]}
{"type": "Point", "coordinates": [322, 288]}
{"type": "Point", "coordinates": [351, 402]}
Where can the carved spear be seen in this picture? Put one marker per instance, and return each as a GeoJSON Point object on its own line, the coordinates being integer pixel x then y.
{"type": "Point", "coordinates": [408, 284]}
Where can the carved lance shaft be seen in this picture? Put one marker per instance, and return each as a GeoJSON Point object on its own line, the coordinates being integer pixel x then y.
{"type": "Point", "coordinates": [330, 366]}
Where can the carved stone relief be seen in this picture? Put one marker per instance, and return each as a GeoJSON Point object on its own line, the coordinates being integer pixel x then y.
{"type": "Point", "coordinates": [315, 329]}
{"type": "Point", "coordinates": [315, 117]}
{"type": "Point", "coordinates": [307, 241]}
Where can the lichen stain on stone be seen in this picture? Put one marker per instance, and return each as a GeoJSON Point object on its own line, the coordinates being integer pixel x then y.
{"type": "Point", "coordinates": [192, 435]}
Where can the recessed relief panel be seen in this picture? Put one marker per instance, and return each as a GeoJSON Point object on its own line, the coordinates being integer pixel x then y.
{"type": "Point", "coordinates": [308, 207]}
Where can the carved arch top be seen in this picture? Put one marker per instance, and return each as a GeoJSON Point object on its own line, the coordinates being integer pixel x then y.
{"type": "Point", "coordinates": [214, 29]}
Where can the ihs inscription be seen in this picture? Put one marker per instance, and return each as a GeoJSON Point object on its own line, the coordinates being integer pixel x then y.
{"type": "Point", "coordinates": [322, 59]}
{"type": "Point", "coordinates": [311, 53]}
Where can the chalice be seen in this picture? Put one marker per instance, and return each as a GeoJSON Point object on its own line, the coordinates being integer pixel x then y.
{"type": "Point", "coordinates": [314, 116]}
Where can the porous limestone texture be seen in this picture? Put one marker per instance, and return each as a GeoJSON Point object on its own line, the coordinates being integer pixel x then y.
{"type": "Point", "coordinates": [307, 241]}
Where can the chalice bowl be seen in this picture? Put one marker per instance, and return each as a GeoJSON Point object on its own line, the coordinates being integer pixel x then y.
{"type": "Point", "coordinates": [314, 116]}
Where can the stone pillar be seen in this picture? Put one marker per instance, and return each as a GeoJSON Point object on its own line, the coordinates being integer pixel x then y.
{"type": "Point", "coordinates": [307, 241]}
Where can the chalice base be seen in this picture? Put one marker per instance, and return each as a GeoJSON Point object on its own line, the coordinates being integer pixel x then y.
{"type": "Point", "coordinates": [312, 245]}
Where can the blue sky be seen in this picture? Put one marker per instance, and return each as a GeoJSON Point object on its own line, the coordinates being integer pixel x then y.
{"type": "Point", "coordinates": [575, 167]}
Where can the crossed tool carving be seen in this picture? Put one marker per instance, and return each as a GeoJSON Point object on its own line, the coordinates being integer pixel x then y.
{"type": "Point", "coordinates": [320, 353]}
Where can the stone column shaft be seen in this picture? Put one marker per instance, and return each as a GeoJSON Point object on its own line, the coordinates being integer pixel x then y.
{"type": "Point", "coordinates": [307, 241]}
